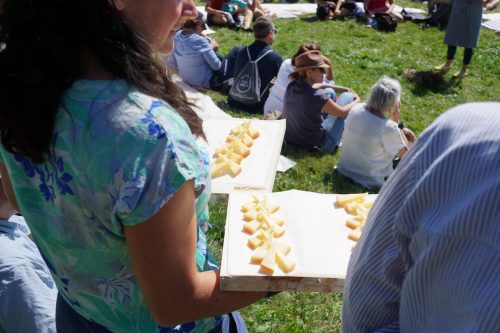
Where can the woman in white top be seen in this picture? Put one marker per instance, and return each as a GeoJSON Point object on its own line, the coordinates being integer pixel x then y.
{"type": "Point", "coordinates": [370, 139]}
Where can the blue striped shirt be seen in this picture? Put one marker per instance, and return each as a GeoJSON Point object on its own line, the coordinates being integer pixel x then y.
{"type": "Point", "coordinates": [429, 257]}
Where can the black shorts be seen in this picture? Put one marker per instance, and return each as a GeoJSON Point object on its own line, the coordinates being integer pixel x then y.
{"type": "Point", "coordinates": [323, 12]}
{"type": "Point", "coordinates": [349, 5]}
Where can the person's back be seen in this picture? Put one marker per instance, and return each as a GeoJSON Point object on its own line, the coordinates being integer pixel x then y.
{"type": "Point", "coordinates": [268, 66]}
{"type": "Point", "coordinates": [428, 259]}
{"type": "Point", "coordinates": [302, 111]}
{"type": "Point", "coordinates": [195, 59]}
{"type": "Point", "coordinates": [276, 98]}
{"type": "Point", "coordinates": [27, 292]}
{"type": "Point", "coordinates": [88, 210]}
{"type": "Point", "coordinates": [368, 146]}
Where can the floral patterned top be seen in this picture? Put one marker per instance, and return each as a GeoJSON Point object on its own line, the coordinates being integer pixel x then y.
{"type": "Point", "coordinates": [117, 156]}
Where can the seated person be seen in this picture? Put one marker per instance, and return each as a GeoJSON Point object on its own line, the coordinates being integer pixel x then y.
{"type": "Point", "coordinates": [242, 17]}
{"type": "Point", "coordinates": [275, 101]}
{"type": "Point", "coordinates": [349, 9]}
{"type": "Point", "coordinates": [268, 65]}
{"type": "Point", "coordinates": [428, 259]}
{"type": "Point", "coordinates": [327, 10]}
{"type": "Point", "coordinates": [371, 141]}
{"type": "Point", "coordinates": [306, 99]}
{"type": "Point", "coordinates": [257, 9]}
{"type": "Point", "coordinates": [277, 94]}
{"type": "Point", "coordinates": [27, 292]}
{"type": "Point", "coordinates": [194, 57]}
{"type": "Point", "coordinates": [382, 6]}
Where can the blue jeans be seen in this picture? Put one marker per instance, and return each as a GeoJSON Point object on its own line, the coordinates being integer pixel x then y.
{"type": "Point", "coordinates": [334, 126]}
{"type": "Point", "coordinates": [69, 321]}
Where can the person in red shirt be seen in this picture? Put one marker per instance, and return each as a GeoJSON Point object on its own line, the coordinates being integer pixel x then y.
{"type": "Point", "coordinates": [382, 6]}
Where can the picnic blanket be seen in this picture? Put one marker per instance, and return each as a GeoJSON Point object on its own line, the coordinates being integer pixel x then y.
{"type": "Point", "coordinates": [492, 24]}
{"type": "Point", "coordinates": [207, 109]}
{"type": "Point", "coordinates": [287, 10]}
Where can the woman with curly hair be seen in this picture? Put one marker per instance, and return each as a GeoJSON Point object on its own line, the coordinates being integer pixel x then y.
{"type": "Point", "coordinates": [98, 147]}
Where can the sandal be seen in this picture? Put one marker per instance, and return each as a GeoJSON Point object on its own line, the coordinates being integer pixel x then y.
{"type": "Point", "coordinates": [442, 68]}
{"type": "Point", "coordinates": [460, 74]}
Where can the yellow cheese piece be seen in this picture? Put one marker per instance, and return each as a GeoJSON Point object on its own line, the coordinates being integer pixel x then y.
{"type": "Point", "coordinates": [279, 231]}
{"type": "Point", "coordinates": [254, 242]}
{"type": "Point", "coordinates": [251, 227]}
{"type": "Point", "coordinates": [224, 165]}
{"type": "Point", "coordinates": [239, 148]}
{"type": "Point", "coordinates": [344, 199]}
{"type": "Point", "coordinates": [269, 261]}
{"type": "Point", "coordinates": [224, 151]}
{"type": "Point", "coordinates": [278, 220]}
{"type": "Point", "coordinates": [282, 247]}
{"type": "Point", "coordinates": [355, 234]}
{"type": "Point", "coordinates": [254, 134]}
{"type": "Point", "coordinates": [258, 255]}
{"type": "Point", "coordinates": [284, 262]}
{"type": "Point", "coordinates": [250, 215]}
{"type": "Point", "coordinates": [352, 224]}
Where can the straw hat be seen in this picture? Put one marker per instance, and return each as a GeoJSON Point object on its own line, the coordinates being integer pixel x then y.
{"type": "Point", "coordinates": [310, 59]}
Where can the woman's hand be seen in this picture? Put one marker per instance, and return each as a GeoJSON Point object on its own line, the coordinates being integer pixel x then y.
{"type": "Point", "coordinates": [395, 112]}
{"type": "Point", "coordinates": [356, 97]}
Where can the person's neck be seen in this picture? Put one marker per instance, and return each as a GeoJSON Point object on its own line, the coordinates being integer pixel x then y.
{"type": "Point", "coordinates": [378, 113]}
{"type": "Point", "coordinates": [265, 40]}
{"type": "Point", "coordinates": [6, 210]}
{"type": "Point", "coordinates": [92, 68]}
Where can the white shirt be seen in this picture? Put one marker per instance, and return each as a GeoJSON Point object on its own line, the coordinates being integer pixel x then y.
{"type": "Point", "coordinates": [277, 94]}
{"type": "Point", "coordinates": [369, 143]}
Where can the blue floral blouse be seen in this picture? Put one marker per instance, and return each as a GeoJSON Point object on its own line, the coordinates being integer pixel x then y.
{"type": "Point", "coordinates": [117, 156]}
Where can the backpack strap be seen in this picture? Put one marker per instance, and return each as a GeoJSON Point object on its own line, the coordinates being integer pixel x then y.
{"type": "Point", "coordinates": [259, 58]}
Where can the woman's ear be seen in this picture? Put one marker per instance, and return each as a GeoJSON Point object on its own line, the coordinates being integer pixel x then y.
{"type": "Point", "coordinates": [118, 4]}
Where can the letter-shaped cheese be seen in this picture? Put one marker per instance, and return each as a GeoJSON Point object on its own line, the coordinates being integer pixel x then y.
{"type": "Point", "coordinates": [251, 227]}
{"type": "Point", "coordinates": [269, 261]}
{"type": "Point", "coordinates": [343, 199]}
{"type": "Point", "coordinates": [284, 262]}
{"type": "Point", "coordinates": [258, 255]}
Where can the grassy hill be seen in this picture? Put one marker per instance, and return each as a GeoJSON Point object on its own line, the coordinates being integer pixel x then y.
{"type": "Point", "coordinates": [360, 55]}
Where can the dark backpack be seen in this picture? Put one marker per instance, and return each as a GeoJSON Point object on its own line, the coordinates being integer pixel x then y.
{"type": "Point", "coordinates": [386, 22]}
{"type": "Point", "coordinates": [246, 85]}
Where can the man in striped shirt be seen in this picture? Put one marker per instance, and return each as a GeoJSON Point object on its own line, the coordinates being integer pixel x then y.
{"type": "Point", "coordinates": [429, 257]}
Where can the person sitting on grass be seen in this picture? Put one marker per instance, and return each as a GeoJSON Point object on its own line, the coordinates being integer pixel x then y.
{"type": "Point", "coordinates": [382, 6]}
{"type": "Point", "coordinates": [306, 100]}
{"type": "Point", "coordinates": [27, 292]}
{"type": "Point", "coordinates": [268, 65]}
{"type": "Point", "coordinates": [216, 16]}
{"type": "Point", "coordinates": [194, 57]}
{"type": "Point", "coordinates": [371, 140]}
{"type": "Point", "coordinates": [428, 259]}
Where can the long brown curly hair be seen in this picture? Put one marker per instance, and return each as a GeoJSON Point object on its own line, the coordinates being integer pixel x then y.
{"type": "Point", "coordinates": [43, 42]}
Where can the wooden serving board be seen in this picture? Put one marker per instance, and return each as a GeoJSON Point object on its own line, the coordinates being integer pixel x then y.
{"type": "Point", "coordinates": [259, 168]}
{"type": "Point", "coordinates": [315, 229]}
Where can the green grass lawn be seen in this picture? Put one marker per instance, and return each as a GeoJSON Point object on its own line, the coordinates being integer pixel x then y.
{"type": "Point", "coordinates": [360, 56]}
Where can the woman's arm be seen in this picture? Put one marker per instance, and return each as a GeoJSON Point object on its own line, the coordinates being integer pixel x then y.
{"type": "Point", "coordinates": [162, 250]}
{"type": "Point", "coordinates": [334, 109]}
{"type": "Point", "coordinates": [7, 186]}
{"type": "Point", "coordinates": [392, 5]}
{"type": "Point", "coordinates": [211, 58]}
{"type": "Point", "coordinates": [212, 11]}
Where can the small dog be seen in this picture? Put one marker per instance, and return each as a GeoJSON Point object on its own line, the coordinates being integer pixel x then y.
{"type": "Point", "coordinates": [430, 80]}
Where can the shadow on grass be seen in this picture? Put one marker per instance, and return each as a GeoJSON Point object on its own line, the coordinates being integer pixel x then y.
{"type": "Point", "coordinates": [309, 18]}
{"type": "Point", "coordinates": [430, 81]}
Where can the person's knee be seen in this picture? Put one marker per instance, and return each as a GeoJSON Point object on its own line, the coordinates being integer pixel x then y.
{"type": "Point", "coordinates": [257, 13]}
{"type": "Point", "coordinates": [220, 20]}
{"type": "Point", "coordinates": [345, 98]}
